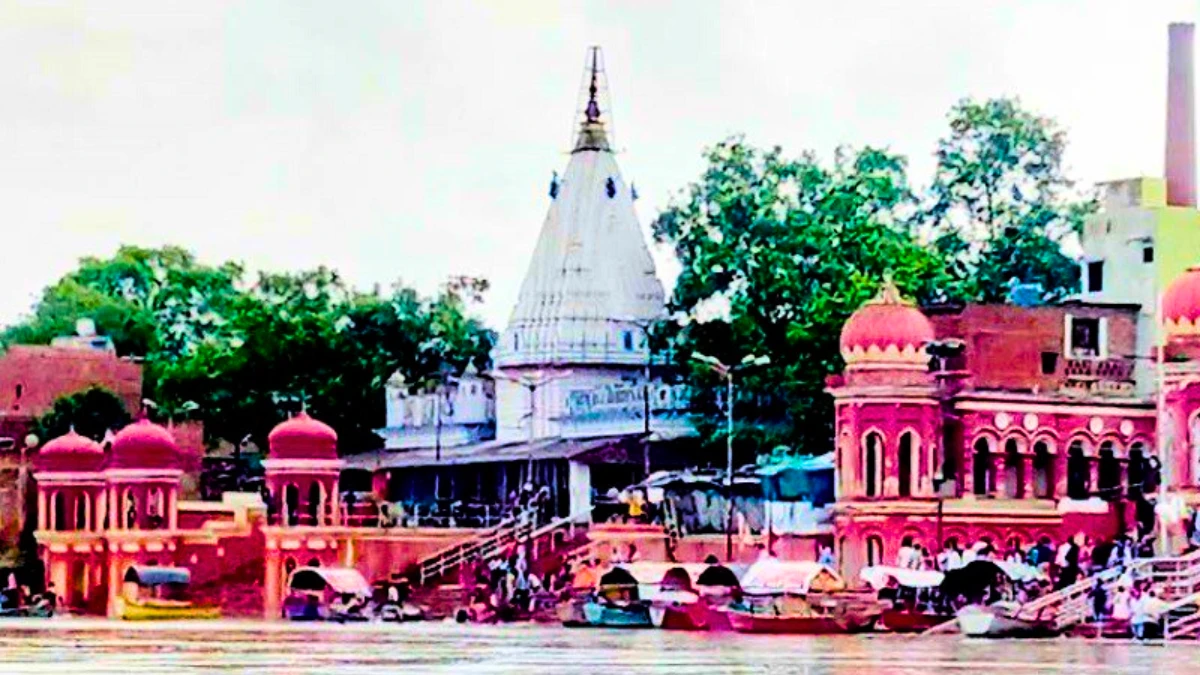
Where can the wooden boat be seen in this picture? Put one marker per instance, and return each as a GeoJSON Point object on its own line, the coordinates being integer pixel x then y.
{"type": "Point", "coordinates": [997, 621]}
{"type": "Point", "coordinates": [314, 593]}
{"type": "Point", "coordinates": [159, 594]}
{"type": "Point", "coordinates": [603, 613]}
{"type": "Point", "coordinates": [911, 594]}
{"type": "Point", "coordinates": [803, 598]}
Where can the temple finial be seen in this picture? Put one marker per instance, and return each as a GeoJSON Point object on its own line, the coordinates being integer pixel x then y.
{"type": "Point", "coordinates": [592, 111]}
{"type": "Point", "coordinates": [889, 294]}
{"type": "Point", "coordinates": [592, 135]}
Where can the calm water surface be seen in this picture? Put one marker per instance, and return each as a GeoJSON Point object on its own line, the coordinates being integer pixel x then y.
{"type": "Point", "coordinates": [82, 646]}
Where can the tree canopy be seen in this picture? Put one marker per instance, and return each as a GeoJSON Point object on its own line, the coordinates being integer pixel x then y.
{"type": "Point", "coordinates": [239, 354]}
{"type": "Point", "coordinates": [776, 252]}
{"type": "Point", "coordinates": [92, 412]}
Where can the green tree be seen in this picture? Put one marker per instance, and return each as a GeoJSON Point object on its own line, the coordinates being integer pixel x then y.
{"type": "Point", "coordinates": [92, 412]}
{"type": "Point", "coordinates": [240, 355]}
{"type": "Point", "coordinates": [1002, 206]}
{"type": "Point", "coordinates": [787, 248]}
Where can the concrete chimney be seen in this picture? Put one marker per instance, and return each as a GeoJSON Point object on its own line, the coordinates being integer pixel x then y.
{"type": "Point", "coordinates": [1181, 117]}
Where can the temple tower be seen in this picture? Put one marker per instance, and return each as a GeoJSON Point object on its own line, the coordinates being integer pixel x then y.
{"type": "Point", "coordinates": [589, 295]}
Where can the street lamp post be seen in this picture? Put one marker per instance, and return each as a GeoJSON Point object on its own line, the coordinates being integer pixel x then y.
{"type": "Point", "coordinates": [645, 327]}
{"type": "Point", "coordinates": [727, 372]}
{"type": "Point", "coordinates": [531, 384]}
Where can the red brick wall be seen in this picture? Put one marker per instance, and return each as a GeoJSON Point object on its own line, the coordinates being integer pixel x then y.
{"type": "Point", "coordinates": [47, 373]}
{"type": "Point", "coordinates": [1004, 343]}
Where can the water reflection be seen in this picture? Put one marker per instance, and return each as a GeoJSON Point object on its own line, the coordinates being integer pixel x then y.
{"type": "Point", "coordinates": [233, 647]}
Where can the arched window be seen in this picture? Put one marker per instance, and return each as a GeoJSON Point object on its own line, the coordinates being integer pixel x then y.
{"type": "Point", "coordinates": [905, 461]}
{"type": "Point", "coordinates": [131, 510]}
{"type": "Point", "coordinates": [1043, 471]}
{"type": "Point", "coordinates": [1110, 472]}
{"type": "Point", "coordinates": [59, 509]}
{"type": "Point", "coordinates": [873, 464]}
{"type": "Point", "coordinates": [875, 550]}
{"type": "Point", "coordinates": [155, 508]}
{"type": "Point", "coordinates": [314, 503]}
{"type": "Point", "coordinates": [1078, 472]}
{"type": "Point", "coordinates": [82, 511]}
{"type": "Point", "coordinates": [1014, 470]}
{"type": "Point", "coordinates": [313, 562]}
{"type": "Point", "coordinates": [982, 470]}
{"type": "Point", "coordinates": [291, 503]}
{"type": "Point", "coordinates": [1137, 469]}
{"type": "Point", "coordinates": [627, 341]}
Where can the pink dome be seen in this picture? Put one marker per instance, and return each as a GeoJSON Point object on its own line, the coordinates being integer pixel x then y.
{"type": "Point", "coordinates": [144, 445]}
{"type": "Point", "coordinates": [1181, 304]}
{"type": "Point", "coordinates": [886, 329]}
{"type": "Point", "coordinates": [303, 437]}
{"type": "Point", "coordinates": [71, 452]}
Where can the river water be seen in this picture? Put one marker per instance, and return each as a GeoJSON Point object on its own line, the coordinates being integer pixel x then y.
{"type": "Point", "coordinates": [96, 646]}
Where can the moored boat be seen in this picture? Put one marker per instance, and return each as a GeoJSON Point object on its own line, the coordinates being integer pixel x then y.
{"type": "Point", "coordinates": [997, 621]}
{"type": "Point", "coordinates": [159, 594]}
{"type": "Point", "coordinates": [338, 594]}
{"type": "Point", "coordinates": [912, 598]}
{"type": "Point", "coordinates": [799, 598]}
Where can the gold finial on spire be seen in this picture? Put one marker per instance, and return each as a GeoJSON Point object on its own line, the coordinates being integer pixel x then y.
{"type": "Point", "coordinates": [592, 135]}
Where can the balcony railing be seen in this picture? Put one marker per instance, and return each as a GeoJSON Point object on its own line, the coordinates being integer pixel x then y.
{"type": "Point", "coordinates": [1098, 376]}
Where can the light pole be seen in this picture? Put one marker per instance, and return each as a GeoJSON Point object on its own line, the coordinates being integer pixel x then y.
{"type": "Point", "coordinates": [727, 372]}
{"type": "Point", "coordinates": [444, 378]}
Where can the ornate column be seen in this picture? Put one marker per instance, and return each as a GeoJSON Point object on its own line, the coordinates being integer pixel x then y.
{"type": "Point", "coordinates": [272, 606]}
{"type": "Point", "coordinates": [1093, 475]}
{"type": "Point", "coordinates": [1061, 475]}
{"type": "Point", "coordinates": [101, 498]}
{"type": "Point", "coordinates": [172, 507]}
{"type": "Point", "coordinates": [41, 509]}
{"type": "Point", "coordinates": [1028, 474]}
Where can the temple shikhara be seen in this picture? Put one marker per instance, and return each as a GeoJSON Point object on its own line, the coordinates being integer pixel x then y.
{"type": "Point", "coordinates": [1007, 422]}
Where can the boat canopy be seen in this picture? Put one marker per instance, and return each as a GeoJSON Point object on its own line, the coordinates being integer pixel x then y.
{"type": "Point", "coordinates": [618, 576]}
{"type": "Point", "coordinates": [718, 575]}
{"type": "Point", "coordinates": [339, 579]}
{"type": "Point", "coordinates": [157, 576]}
{"type": "Point", "coordinates": [663, 573]}
{"type": "Point", "coordinates": [879, 576]}
{"type": "Point", "coordinates": [771, 575]}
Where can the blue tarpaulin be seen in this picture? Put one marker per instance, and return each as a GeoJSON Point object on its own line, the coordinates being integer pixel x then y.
{"type": "Point", "coordinates": [157, 576]}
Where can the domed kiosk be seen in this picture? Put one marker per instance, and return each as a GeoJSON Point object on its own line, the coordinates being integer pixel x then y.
{"type": "Point", "coordinates": [302, 469]}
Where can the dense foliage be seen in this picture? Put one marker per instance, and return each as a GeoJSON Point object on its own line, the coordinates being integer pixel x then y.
{"type": "Point", "coordinates": [776, 252]}
{"type": "Point", "coordinates": [240, 354]}
{"type": "Point", "coordinates": [92, 412]}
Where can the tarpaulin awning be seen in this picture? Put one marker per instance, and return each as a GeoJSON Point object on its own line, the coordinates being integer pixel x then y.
{"type": "Point", "coordinates": [339, 579]}
{"type": "Point", "coordinates": [772, 575]}
{"type": "Point", "coordinates": [879, 576]}
{"type": "Point", "coordinates": [157, 576]}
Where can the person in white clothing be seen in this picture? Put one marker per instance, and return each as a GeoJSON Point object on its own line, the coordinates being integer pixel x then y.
{"type": "Point", "coordinates": [906, 554]}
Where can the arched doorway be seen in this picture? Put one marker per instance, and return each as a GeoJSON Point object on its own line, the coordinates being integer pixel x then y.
{"type": "Point", "coordinates": [1014, 472]}
{"type": "Point", "coordinates": [873, 464]}
{"type": "Point", "coordinates": [1078, 472]}
{"type": "Point", "coordinates": [59, 505]}
{"type": "Point", "coordinates": [131, 510]}
{"type": "Point", "coordinates": [314, 503]}
{"type": "Point", "coordinates": [981, 468]}
{"type": "Point", "coordinates": [1136, 472]}
{"type": "Point", "coordinates": [875, 550]}
{"type": "Point", "coordinates": [82, 510]}
{"type": "Point", "coordinates": [1109, 472]}
{"type": "Point", "coordinates": [1043, 471]}
{"type": "Point", "coordinates": [905, 464]}
{"type": "Point", "coordinates": [291, 503]}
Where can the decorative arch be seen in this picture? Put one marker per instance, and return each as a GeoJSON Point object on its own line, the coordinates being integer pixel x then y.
{"type": "Point", "coordinates": [58, 512]}
{"type": "Point", "coordinates": [1108, 474]}
{"type": "Point", "coordinates": [291, 503]}
{"type": "Point", "coordinates": [982, 465]}
{"type": "Point", "coordinates": [876, 551]}
{"type": "Point", "coordinates": [130, 515]}
{"type": "Point", "coordinates": [1078, 469]}
{"type": "Point", "coordinates": [1014, 467]}
{"type": "Point", "coordinates": [315, 502]}
{"type": "Point", "coordinates": [1136, 468]}
{"type": "Point", "coordinates": [908, 462]}
{"type": "Point", "coordinates": [83, 512]}
{"type": "Point", "coordinates": [873, 444]}
{"type": "Point", "coordinates": [1043, 470]}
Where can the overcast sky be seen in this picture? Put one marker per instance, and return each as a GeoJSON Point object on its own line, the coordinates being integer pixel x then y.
{"type": "Point", "coordinates": [415, 140]}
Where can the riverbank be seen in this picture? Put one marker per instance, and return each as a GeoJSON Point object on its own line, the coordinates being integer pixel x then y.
{"type": "Point", "coordinates": [277, 648]}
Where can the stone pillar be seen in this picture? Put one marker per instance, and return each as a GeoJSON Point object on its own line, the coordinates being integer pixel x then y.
{"type": "Point", "coordinates": [1061, 475]}
{"type": "Point", "coordinates": [337, 505]}
{"type": "Point", "coordinates": [42, 520]}
{"type": "Point", "coordinates": [101, 498]}
{"type": "Point", "coordinates": [1028, 473]}
{"type": "Point", "coordinates": [114, 587]}
{"type": "Point", "coordinates": [1093, 475]}
{"type": "Point", "coordinates": [966, 473]}
{"type": "Point", "coordinates": [172, 508]}
{"type": "Point", "coordinates": [272, 593]}
{"type": "Point", "coordinates": [579, 486]}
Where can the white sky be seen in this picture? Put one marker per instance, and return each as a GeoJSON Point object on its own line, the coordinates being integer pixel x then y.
{"type": "Point", "coordinates": [404, 140]}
